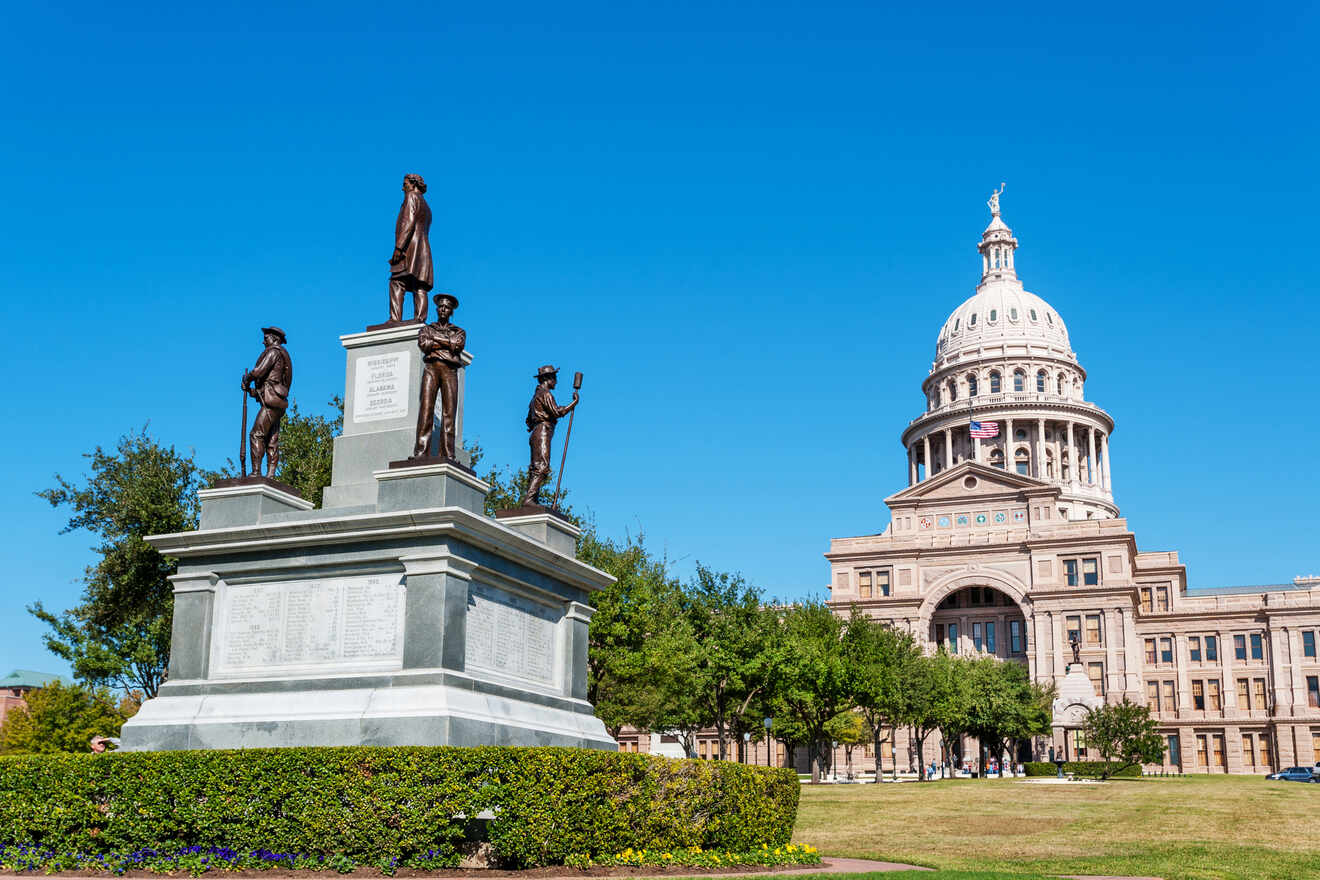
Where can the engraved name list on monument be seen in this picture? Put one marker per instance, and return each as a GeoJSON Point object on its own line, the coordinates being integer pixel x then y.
{"type": "Point", "coordinates": [336, 622]}
{"type": "Point", "coordinates": [380, 389]}
{"type": "Point", "coordinates": [510, 635]}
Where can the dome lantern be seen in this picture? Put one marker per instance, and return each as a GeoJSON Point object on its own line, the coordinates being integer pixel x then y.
{"type": "Point", "coordinates": [997, 245]}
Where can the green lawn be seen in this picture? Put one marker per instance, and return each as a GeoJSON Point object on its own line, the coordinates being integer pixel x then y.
{"type": "Point", "coordinates": [1193, 827]}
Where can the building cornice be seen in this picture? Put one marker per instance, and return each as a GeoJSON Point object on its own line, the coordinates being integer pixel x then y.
{"type": "Point", "coordinates": [1044, 406]}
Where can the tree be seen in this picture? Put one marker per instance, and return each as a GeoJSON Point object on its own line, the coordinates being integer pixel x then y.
{"type": "Point", "coordinates": [641, 653]}
{"type": "Point", "coordinates": [737, 652]}
{"type": "Point", "coordinates": [879, 655]}
{"type": "Point", "coordinates": [119, 635]}
{"type": "Point", "coordinates": [307, 449]}
{"type": "Point", "coordinates": [815, 682]}
{"type": "Point", "coordinates": [1004, 704]}
{"type": "Point", "coordinates": [850, 730]}
{"type": "Point", "coordinates": [62, 718]}
{"type": "Point", "coordinates": [1124, 733]}
{"type": "Point", "coordinates": [934, 698]}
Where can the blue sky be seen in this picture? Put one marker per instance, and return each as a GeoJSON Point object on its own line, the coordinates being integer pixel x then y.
{"type": "Point", "coordinates": [745, 223]}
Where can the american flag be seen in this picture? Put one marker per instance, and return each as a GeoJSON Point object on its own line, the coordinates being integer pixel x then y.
{"type": "Point", "coordinates": [985, 430]}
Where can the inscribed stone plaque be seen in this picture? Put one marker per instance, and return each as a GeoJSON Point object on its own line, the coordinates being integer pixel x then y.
{"type": "Point", "coordinates": [380, 387]}
{"type": "Point", "coordinates": [307, 626]}
{"type": "Point", "coordinates": [510, 635]}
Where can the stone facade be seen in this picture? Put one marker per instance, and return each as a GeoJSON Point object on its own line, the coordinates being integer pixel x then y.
{"type": "Point", "coordinates": [1006, 545]}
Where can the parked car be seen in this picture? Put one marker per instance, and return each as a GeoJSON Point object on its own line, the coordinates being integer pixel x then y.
{"type": "Point", "coordinates": [1295, 774]}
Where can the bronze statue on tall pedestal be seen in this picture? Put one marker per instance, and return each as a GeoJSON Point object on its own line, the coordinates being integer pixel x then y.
{"type": "Point", "coordinates": [442, 357]}
{"type": "Point", "coordinates": [268, 382]}
{"type": "Point", "coordinates": [410, 264]}
{"type": "Point", "coordinates": [542, 415]}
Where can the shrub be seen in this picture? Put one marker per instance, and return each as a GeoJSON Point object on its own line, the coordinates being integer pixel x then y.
{"type": "Point", "coordinates": [371, 804]}
{"type": "Point", "coordinates": [1080, 768]}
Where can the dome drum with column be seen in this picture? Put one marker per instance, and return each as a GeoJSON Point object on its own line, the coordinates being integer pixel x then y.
{"type": "Point", "coordinates": [1004, 356]}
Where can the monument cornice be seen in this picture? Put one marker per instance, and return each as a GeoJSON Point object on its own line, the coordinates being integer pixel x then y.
{"type": "Point", "coordinates": [1040, 406]}
{"type": "Point", "coordinates": [456, 522]}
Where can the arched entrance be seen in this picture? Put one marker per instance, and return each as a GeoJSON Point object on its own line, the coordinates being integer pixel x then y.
{"type": "Point", "coordinates": [979, 620]}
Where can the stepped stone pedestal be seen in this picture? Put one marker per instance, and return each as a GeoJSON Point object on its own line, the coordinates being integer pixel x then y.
{"type": "Point", "coordinates": [397, 614]}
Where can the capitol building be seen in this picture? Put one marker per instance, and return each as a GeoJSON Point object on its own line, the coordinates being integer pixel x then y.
{"type": "Point", "coordinates": [1007, 541]}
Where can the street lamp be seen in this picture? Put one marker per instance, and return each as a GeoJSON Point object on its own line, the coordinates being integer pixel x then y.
{"type": "Point", "coordinates": [768, 722]}
{"type": "Point", "coordinates": [747, 740]}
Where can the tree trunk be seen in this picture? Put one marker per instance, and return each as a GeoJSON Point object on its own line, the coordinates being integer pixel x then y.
{"type": "Point", "coordinates": [879, 764]}
{"type": "Point", "coordinates": [921, 755]}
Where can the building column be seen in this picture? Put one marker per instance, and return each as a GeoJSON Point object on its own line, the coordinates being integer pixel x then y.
{"type": "Point", "coordinates": [964, 637]}
{"type": "Point", "coordinates": [912, 465]}
{"type": "Point", "coordinates": [1040, 449]}
{"type": "Point", "coordinates": [1060, 664]}
{"type": "Point", "coordinates": [1001, 638]}
{"type": "Point", "coordinates": [1104, 456]}
{"type": "Point", "coordinates": [948, 448]}
{"type": "Point", "coordinates": [1074, 467]}
{"type": "Point", "coordinates": [925, 450]}
{"type": "Point", "coordinates": [1090, 459]}
{"type": "Point", "coordinates": [1008, 447]}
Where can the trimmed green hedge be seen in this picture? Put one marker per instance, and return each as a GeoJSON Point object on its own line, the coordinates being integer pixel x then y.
{"type": "Point", "coordinates": [380, 803]}
{"type": "Point", "coordinates": [1080, 768]}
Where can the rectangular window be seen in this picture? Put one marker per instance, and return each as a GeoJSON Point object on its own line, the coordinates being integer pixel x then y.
{"type": "Point", "coordinates": [1212, 690]}
{"type": "Point", "coordinates": [864, 584]}
{"type": "Point", "coordinates": [1153, 696]}
{"type": "Point", "coordinates": [1248, 750]}
{"type": "Point", "coordinates": [1243, 695]}
{"type": "Point", "coordinates": [1212, 649]}
{"type": "Point", "coordinates": [1308, 643]}
{"type": "Point", "coordinates": [1146, 605]}
{"type": "Point", "coordinates": [990, 638]}
{"type": "Point", "coordinates": [1198, 695]}
{"type": "Point", "coordinates": [976, 637]}
{"type": "Point", "coordinates": [1166, 651]}
{"type": "Point", "coordinates": [1220, 758]}
{"type": "Point", "coordinates": [1070, 572]}
{"type": "Point", "coordinates": [1258, 692]}
{"type": "Point", "coordinates": [1257, 648]}
{"type": "Point", "coordinates": [1096, 672]}
{"type": "Point", "coordinates": [1202, 751]}
{"type": "Point", "coordinates": [1194, 648]}
{"type": "Point", "coordinates": [1161, 598]}
{"type": "Point", "coordinates": [1313, 691]}
{"type": "Point", "coordinates": [1090, 572]}
{"type": "Point", "coordinates": [882, 582]}
{"type": "Point", "coordinates": [1240, 647]}
{"type": "Point", "coordinates": [953, 638]}
{"type": "Point", "coordinates": [1170, 697]}
{"type": "Point", "coordinates": [1093, 629]}
{"type": "Point", "coordinates": [1175, 750]}
{"type": "Point", "coordinates": [1073, 624]}
{"type": "Point", "coordinates": [939, 634]}
{"type": "Point", "coordinates": [1266, 759]}
{"type": "Point", "coordinates": [1015, 636]}
{"type": "Point", "coordinates": [1150, 651]}
{"type": "Point", "coordinates": [1315, 746]}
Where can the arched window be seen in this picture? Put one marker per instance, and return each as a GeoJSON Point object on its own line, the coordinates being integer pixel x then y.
{"type": "Point", "coordinates": [953, 390]}
{"type": "Point", "coordinates": [1040, 382]}
{"type": "Point", "coordinates": [997, 458]}
{"type": "Point", "coordinates": [994, 382]}
{"type": "Point", "coordinates": [1049, 463]}
{"type": "Point", "coordinates": [1019, 380]}
{"type": "Point", "coordinates": [1032, 312]}
{"type": "Point", "coordinates": [1020, 434]}
{"type": "Point", "coordinates": [971, 384]}
{"type": "Point", "coordinates": [1063, 466]}
{"type": "Point", "coordinates": [971, 322]}
{"type": "Point", "coordinates": [935, 398]}
{"type": "Point", "coordinates": [994, 314]}
{"type": "Point", "coordinates": [1012, 314]}
{"type": "Point", "coordinates": [955, 324]}
{"type": "Point", "coordinates": [1022, 462]}
{"type": "Point", "coordinates": [1061, 384]}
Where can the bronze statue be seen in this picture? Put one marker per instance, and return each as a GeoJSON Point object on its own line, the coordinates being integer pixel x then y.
{"type": "Point", "coordinates": [269, 382]}
{"type": "Point", "coordinates": [542, 414]}
{"type": "Point", "coordinates": [410, 264]}
{"type": "Point", "coordinates": [442, 348]}
{"type": "Point", "coordinates": [1076, 645]}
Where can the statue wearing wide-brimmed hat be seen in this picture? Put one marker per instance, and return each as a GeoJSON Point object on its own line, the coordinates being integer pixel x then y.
{"type": "Point", "coordinates": [542, 414]}
{"type": "Point", "coordinates": [269, 382]}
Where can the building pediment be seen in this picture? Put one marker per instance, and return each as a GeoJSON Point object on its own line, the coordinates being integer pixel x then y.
{"type": "Point", "coordinates": [969, 480]}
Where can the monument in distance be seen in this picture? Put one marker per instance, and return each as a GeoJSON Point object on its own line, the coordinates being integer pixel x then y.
{"type": "Point", "coordinates": [398, 613]}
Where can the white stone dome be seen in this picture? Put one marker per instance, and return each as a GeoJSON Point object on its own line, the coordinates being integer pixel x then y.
{"type": "Point", "coordinates": [1001, 312]}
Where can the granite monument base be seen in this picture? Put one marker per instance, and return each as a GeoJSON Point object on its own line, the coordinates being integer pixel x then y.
{"type": "Point", "coordinates": [411, 620]}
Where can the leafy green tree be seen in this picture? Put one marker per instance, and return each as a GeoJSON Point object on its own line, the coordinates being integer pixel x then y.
{"type": "Point", "coordinates": [1003, 704]}
{"type": "Point", "coordinates": [641, 653]}
{"type": "Point", "coordinates": [879, 655]}
{"type": "Point", "coordinates": [738, 652]}
{"type": "Point", "coordinates": [1124, 734]}
{"type": "Point", "coordinates": [62, 718]}
{"type": "Point", "coordinates": [850, 730]}
{"type": "Point", "coordinates": [119, 634]}
{"type": "Point", "coordinates": [307, 449]}
{"type": "Point", "coordinates": [814, 681]}
{"type": "Point", "coordinates": [935, 698]}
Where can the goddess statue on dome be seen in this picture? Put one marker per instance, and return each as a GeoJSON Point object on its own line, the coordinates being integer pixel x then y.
{"type": "Point", "coordinates": [994, 200]}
